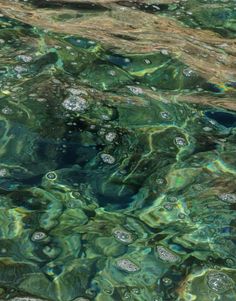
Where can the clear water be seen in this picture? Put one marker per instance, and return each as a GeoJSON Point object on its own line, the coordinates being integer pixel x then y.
{"type": "Point", "coordinates": [117, 150]}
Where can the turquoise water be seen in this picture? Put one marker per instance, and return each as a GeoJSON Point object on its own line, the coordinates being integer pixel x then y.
{"type": "Point", "coordinates": [117, 150]}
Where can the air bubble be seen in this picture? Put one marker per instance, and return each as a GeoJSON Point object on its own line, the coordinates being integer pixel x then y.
{"type": "Point", "coordinates": [3, 172]}
{"type": "Point", "coordinates": [37, 236]}
{"type": "Point", "coordinates": [188, 72]}
{"type": "Point", "coordinates": [164, 51]}
{"type": "Point", "coordinates": [51, 175]}
{"type": "Point", "coordinates": [228, 198]}
{"type": "Point", "coordinates": [166, 255]}
{"type": "Point", "coordinates": [106, 158]}
{"type": "Point", "coordinates": [180, 141]}
{"type": "Point", "coordinates": [123, 236]}
{"type": "Point", "coordinates": [165, 115]}
{"type": "Point", "coordinates": [166, 281]}
{"type": "Point", "coordinates": [7, 111]}
{"type": "Point", "coordinates": [148, 62]}
{"type": "Point", "coordinates": [20, 69]}
{"type": "Point", "coordinates": [219, 282]}
{"type": "Point", "coordinates": [111, 136]}
{"type": "Point", "coordinates": [127, 265]}
{"type": "Point", "coordinates": [136, 90]}
{"type": "Point", "coordinates": [25, 58]}
{"type": "Point", "coordinates": [75, 103]}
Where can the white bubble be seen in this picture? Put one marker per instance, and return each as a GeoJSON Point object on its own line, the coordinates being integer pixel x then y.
{"type": "Point", "coordinates": [127, 265]}
{"type": "Point", "coordinates": [164, 51]}
{"type": "Point", "coordinates": [188, 72]}
{"type": "Point", "coordinates": [25, 58]}
{"type": "Point", "coordinates": [135, 90]}
{"type": "Point", "coordinates": [106, 158]}
{"type": "Point", "coordinates": [207, 129]}
{"type": "Point", "coordinates": [180, 141]}
{"type": "Point", "coordinates": [3, 172]}
{"type": "Point", "coordinates": [37, 236]}
{"type": "Point", "coordinates": [75, 103]}
{"type": "Point", "coordinates": [20, 69]}
{"type": "Point", "coordinates": [148, 62]}
{"type": "Point", "coordinates": [219, 282]}
{"type": "Point", "coordinates": [165, 115]}
{"type": "Point", "coordinates": [166, 255]}
{"type": "Point", "coordinates": [76, 91]}
{"type": "Point", "coordinates": [111, 136]}
{"type": "Point", "coordinates": [228, 198]}
{"type": "Point", "coordinates": [112, 72]}
{"type": "Point", "coordinates": [7, 111]}
{"type": "Point", "coordinates": [123, 235]}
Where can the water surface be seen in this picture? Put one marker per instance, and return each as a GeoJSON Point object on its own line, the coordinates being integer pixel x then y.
{"type": "Point", "coordinates": [117, 148]}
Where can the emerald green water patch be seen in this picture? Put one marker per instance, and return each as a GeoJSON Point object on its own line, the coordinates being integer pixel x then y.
{"type": "Point", "coordinates": [117, 170]}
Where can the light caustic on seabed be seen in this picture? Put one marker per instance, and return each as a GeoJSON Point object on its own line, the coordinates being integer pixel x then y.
{"type": "Point", "coordinates": [117, 150]}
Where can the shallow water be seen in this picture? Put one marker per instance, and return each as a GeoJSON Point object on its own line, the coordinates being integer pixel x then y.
{"type": "Point", "coordinates": [117, 147]}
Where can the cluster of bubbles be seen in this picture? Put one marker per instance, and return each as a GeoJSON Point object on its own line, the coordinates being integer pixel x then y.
{"type": "Point", "coordinates": [75, 103]}
{"type": "Point", "coordinates": [123, 236]}
{"type": "Point", "coordinates": [166, 255]}
{"type": "Point", "coordinates": [228, 198]}
{"type": "Point", "coordinates": [25, 58]}
{"type": "Point", "coordinates": [127, 265]}
{"type": "Point", "coordinates": [219, 282]}
{"type": "Point", "coordinates": [111, 136]}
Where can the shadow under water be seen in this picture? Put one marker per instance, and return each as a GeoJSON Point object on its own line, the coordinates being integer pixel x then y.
{"type": "Point", "coordinates": [117, 147]}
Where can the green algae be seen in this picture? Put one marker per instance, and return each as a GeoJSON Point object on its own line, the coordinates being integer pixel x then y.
{"type": "Point", "coordinates": [113, 185]}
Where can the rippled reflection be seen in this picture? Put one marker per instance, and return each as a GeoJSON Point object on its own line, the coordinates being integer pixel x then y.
{"type": "Point", "coordinates": [117, 147]}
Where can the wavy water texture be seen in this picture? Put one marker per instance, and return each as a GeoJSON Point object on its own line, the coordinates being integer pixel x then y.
{"type": "Point", "coordinates": [117, 147]}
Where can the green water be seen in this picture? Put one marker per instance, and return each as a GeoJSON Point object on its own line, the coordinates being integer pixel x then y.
{"type": "Point", "coordinates": [117, 155]}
